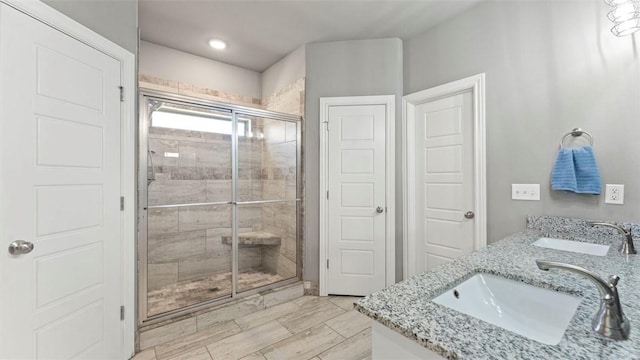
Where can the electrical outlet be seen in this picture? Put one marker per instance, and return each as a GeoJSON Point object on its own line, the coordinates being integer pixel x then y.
{"type": "Point", "coordinates": [614, 194]}
{"type": "Point", "coordinates": [525, 191]}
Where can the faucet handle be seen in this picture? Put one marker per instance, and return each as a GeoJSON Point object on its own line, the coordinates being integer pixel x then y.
{"type": "Point", "coordinates": [626, 231]}
{"type": "Point", "coordinates": [609, 321]}
{"type": "Point", "coordinates": [613, 280]}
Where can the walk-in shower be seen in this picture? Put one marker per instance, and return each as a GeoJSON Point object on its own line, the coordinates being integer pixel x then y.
{"type": "Point", "coordinates": [219, 203]}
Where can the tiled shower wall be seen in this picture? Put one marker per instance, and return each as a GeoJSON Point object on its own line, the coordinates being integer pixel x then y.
{"type": "Point", "coordinates": [289, 100]}
{"type": "Point", "coordinates": [279, 178]}
{"type": "Point", "coordinates": [176, 87]}
{"type": "Point", "coordinates": [279, 182]}
{"type": "Point", "coordinates": [185, 243]}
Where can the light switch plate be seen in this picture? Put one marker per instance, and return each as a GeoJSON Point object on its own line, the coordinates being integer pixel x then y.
{"type": "Point", "coordinates": [614, 194]}
{"type": "Point", "coordinates": [525, 191]}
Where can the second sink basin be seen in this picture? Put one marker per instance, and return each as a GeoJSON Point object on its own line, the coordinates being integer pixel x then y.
{"type": "Point", "coordinates": [573, 246]}
{"type": "Point", "coordinates": [538, 314]}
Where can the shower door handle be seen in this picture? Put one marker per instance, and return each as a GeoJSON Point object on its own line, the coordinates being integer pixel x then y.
{"type": "Point", "coordinates": [20, 247]}
{"type": "Point", "coordinates": [153, 169]}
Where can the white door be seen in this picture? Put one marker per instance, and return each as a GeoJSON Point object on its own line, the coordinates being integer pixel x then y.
{"type": "Point", "coordinates": [59, 189]}
{"type": "Point", "coordinates": [356, 199]}
{"type": "Point", "coordinates": [444, 180]}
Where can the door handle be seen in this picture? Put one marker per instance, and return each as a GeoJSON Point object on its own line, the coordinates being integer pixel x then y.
{"type": "Point", "coordinates": [20, 247]}
{"type": "Point", "coordinates": [469, 215]}
{"type": "Point", "coordinates": [379, 209]}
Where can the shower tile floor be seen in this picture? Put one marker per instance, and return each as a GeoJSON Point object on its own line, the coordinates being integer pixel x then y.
{"type": "Point", "coordinates": [176, 296]}
{"type": "Point", "coordinates": [309, 327]}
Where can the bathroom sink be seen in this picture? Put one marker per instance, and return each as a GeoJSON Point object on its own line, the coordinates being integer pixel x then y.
{"type": "Point", "coordinates": [538, 314]}
{"type": "Point", "coordinates": [573, 246]}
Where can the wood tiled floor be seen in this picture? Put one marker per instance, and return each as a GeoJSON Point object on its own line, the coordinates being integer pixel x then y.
{"type": "Point", "coordinates": [309, 327]}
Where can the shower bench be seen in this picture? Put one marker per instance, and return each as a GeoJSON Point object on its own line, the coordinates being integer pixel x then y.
{"type": "Point", "coordinates": [253, 238]}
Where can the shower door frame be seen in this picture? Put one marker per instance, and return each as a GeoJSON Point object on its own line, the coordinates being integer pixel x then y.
{"type": "Point", "coordinates": [142, 240]}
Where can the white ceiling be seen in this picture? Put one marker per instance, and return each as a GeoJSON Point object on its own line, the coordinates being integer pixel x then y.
{"type": "Point", "coordinates": [261, 32]}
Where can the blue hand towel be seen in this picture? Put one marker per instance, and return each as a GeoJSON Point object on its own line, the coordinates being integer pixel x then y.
{"type": "Point", "coordinates": [576, 170]}
{"type": "Point", "coordinates": [587, 173]}
{"type": "Point", "coordinates": [563, 176]}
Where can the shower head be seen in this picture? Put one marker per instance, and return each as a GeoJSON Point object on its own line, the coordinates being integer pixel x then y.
{"type": "Point", "coordinates": [155, 105]}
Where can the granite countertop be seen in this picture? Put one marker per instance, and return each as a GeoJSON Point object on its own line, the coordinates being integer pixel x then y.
{"type": "Point", "coordinates": [407, 308]}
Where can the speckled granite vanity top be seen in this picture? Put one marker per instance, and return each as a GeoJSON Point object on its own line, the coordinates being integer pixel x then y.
{"type": "Point", "coordinates": [407, 308]}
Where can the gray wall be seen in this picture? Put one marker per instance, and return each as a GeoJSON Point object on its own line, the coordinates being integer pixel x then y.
{"type": "Point", "coordinates": [283, 73]}
{"type": "Point", "coordinates": [115, 20]}
{"type": "Point", "coordinates": [550, 67]}
{"type": "Point", "coordinates": [345, 68]}
{"type": "Point", "coordinates": [171, 64]}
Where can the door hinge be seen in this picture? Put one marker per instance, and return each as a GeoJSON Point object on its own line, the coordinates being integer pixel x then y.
{"type": "Point", "coordinates": [326, 122]}
{"type": "Point", "coordinates": [121, 203]}
{"type": "Point", "coordinates": [121, 93]}
{"type": "Point", "coordinates": [327, 194]}
{"type": "Point", "coordinates": [122, 313]}
{"type": "Point", "coordinates": [327, 263]}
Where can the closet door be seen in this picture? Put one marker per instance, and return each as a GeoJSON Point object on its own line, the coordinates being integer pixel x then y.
{"type": "Point", "coordinates": [444, 181]}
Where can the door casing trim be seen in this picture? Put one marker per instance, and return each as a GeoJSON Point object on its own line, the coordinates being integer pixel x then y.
{"type": "Point", "coordinates": [475, 84]}
{"type": "Point", "coordinates": [389, 102]}
{"type": "Point", "coordinates": [46, 14]}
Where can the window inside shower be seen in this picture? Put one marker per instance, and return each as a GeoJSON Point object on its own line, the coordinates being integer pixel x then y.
{"type": "Point", "coordinates": [219, 203]}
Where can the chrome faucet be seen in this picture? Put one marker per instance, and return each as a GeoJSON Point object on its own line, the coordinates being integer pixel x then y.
{"type": "Point", "coordinates": [609, 321]}
{"type": "Point", "coordinates": [627, 247]}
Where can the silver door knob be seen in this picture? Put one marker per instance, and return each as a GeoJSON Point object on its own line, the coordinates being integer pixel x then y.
{"type": "Point", "coordinates": [20, 247]}
{"type": "Point", "coordinates": [379, 209]}
{"type": "Point", "coordinates": [469, 215]}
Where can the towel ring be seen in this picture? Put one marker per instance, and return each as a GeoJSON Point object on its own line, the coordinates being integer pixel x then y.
{"type": "Point", "coordinates": [575, 133]}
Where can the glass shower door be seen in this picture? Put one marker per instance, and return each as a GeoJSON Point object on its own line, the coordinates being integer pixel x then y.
{"type": "Point", "coordinates": [267, 202]}
{"type": "Point", "coordinates": [219, 207]}
{"type": "Point", "coordinates": [189, 206]}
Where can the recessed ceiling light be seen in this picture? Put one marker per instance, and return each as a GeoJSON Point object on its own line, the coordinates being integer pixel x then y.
{"type": "Point", "coordinates": [217, 44]}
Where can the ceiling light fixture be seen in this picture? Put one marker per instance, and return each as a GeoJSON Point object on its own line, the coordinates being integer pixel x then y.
{"type": "Point", "coordinates": [625, 15]}
{"type": "Point", "coordinates": [217, 44]}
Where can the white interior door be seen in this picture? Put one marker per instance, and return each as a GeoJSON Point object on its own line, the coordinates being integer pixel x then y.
{"type": "Point", "coordinates": [356, 199]}
{"type": "Point", "coordinates": [59, 188]}
{"type": "Point", "coordinates": [444, 183]}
